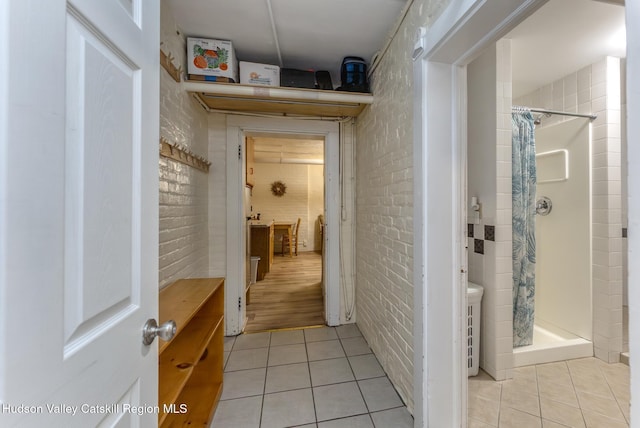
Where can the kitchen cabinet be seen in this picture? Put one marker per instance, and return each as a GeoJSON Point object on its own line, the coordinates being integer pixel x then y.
{"type": "Point", "coordinates": [262, 246]}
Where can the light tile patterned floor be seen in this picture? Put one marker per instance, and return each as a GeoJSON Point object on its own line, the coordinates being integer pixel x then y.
{"type": "Point", "coordinates": [577, 393]}
{"type": "Point", "coordinates": [317, 377]}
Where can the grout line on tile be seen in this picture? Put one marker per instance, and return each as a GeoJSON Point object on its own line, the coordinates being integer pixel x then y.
{"type": "Point", "coordinates": [272, 330]}
{"type": "Point", "coordinates": [555, 422]}
{"type": "Point", "coordinates": [346, 417]}
{"type": "Point", "coordinates": [597, 368]}
{"type": "Point", "coordinates": [615, 397]}
{"type": "Point", "coordinates": [313, 395]}
{"type": "Point", "coordinates": [500, 404]}
{"type": "Point", "coordinates": [538, 391]}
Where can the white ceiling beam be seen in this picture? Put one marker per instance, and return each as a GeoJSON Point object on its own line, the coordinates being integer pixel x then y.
{"type": "Point", "coordinates": [290, 160]}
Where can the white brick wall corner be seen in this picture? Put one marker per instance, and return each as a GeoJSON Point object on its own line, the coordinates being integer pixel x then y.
{"type": "Point", "coordinates": [384, 206]}
{"type": "Point", "coordinates": [184, 247]}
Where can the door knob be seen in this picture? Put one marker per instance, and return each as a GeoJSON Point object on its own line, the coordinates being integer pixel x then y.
{"type": "Point", "coordinates": [151, 329]}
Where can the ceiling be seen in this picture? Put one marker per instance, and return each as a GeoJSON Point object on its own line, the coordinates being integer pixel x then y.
{"type": "Point", "coordinates": [303, 34]}
{"type": "Point", "coordinates": [288, 150]}
{"type": "Point", "coordinates": [564, 36]}
{"type": "Point", "coordinates": [561, 37]}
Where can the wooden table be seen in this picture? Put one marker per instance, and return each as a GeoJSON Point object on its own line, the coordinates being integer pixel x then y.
{"type": "Point", "coordinates": [287, 227]}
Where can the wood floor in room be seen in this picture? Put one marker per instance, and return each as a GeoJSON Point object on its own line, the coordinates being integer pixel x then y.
{"type": "Point", "coordinates": [289, 296]}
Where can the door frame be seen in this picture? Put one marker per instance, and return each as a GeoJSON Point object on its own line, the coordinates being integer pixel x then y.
{"type": "Point", "coordinates": [632, 12]}
{"type": "Point", "coordinates": [441, 55]}
{"type": "Point", "coordinates": [237, 127]}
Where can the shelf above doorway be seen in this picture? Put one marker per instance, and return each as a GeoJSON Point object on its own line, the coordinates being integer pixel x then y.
{"type": "Point", "coordinates": [276, 99]}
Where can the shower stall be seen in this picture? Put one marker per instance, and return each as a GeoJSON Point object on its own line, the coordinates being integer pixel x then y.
{"type": "Point", "coordinates": [563, 235]}
{"type": "Point", "coordinates": [578, 289]}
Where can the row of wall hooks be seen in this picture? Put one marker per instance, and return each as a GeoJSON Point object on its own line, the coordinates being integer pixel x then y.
{"type": "Point", "coordinates": [183, 155]}
{"type": "Point", "coordinates": [166, 61]}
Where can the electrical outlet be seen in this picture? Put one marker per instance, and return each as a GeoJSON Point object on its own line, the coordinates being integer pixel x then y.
{"type": "Point", "coordinates": [304, 242]}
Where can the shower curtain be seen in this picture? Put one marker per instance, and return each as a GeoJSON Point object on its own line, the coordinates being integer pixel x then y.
{"type": "Point", "coordinates": [524, 239]}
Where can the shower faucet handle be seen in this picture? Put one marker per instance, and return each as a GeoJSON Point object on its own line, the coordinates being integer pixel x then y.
{"type": "Point", "coordinates": [543, 206]}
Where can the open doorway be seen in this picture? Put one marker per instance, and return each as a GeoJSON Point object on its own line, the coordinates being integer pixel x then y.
{"type": "Point", "coordinates": [285, 204]}
{"type": "Point", "coordinates": [441, 62]}
{"type": "Point", "coordinates": [561, 323]}
{"type": "Point", "coordinates": [238, 129]}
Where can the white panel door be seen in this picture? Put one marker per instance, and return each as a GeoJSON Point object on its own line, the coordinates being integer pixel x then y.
{"type": "Point", "coordinates": [79, 133]}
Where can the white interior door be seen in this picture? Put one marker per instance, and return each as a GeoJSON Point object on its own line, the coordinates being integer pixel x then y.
{"type": "Point", "coordinates": [79, 212]}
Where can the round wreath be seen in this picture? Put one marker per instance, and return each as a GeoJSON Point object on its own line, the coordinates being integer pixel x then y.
{"type": "Point", "coordinates": [278, 188]}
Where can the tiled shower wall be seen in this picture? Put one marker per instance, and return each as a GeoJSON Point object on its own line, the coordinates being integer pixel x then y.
{"type": "Point", "coordinates": [489, 179]}
{"type": "Point", "coordinates": [596, 89]}
{"type": "Point", "coordinates": [184, 244]}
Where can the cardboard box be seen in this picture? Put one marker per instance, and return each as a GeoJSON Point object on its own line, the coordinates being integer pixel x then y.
{"type": "Point", "coordinates": [211, 57]}
{"type": "Point", "coordinates": [259, 74]}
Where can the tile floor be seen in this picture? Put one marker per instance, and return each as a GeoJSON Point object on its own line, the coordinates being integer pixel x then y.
{"type": "Point", "coordinates": [318, 377]}
{"type": "Point", "coordinates": [578, 393]}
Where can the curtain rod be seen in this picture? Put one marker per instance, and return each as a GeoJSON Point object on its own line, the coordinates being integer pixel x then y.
{"type": "Point", "coordinates": [550, 112]}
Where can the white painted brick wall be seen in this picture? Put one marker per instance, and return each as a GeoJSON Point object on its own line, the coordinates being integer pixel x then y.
{"type": "Point", "coordinates": [384, 206]}
{"type": "Point", "coordinates": [184, 247]}
{"type": "Point", "coordinates": [304, 185]}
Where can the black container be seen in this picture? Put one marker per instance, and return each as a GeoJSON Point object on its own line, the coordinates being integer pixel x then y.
{"type": "Point", "coordinates": [323, 80]}
{"type": "Point", "coordinates": [354, 75]}
{"type": "Point", "coordinates": [294, 78]}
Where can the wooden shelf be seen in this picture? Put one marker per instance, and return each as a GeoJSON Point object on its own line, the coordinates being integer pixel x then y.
{"type": "Point", "coordinates": [181, 301]}
{"type": "Point", "coordinates": [192, 361]}
{"type": "Point", "coordinates": [204, 390]}
{"type": "Point", "coordinates": [278, 99]}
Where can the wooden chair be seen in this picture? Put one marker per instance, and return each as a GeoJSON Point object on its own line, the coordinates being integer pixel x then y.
{"type": "Point", "coordinates": [294, 238]}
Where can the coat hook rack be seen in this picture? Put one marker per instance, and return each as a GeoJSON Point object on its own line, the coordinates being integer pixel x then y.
{"type": "Point", "coordinates": [166, 61]}
{"type": "Point", "coordinates": [183, 155]}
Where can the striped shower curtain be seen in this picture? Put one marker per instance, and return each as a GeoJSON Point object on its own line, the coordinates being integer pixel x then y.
{"type": "Point", "coordinates": [524, 239]}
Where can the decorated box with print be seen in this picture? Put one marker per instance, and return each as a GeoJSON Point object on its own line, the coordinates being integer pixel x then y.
{"type": "Point", "coordinates": [211, 57]}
